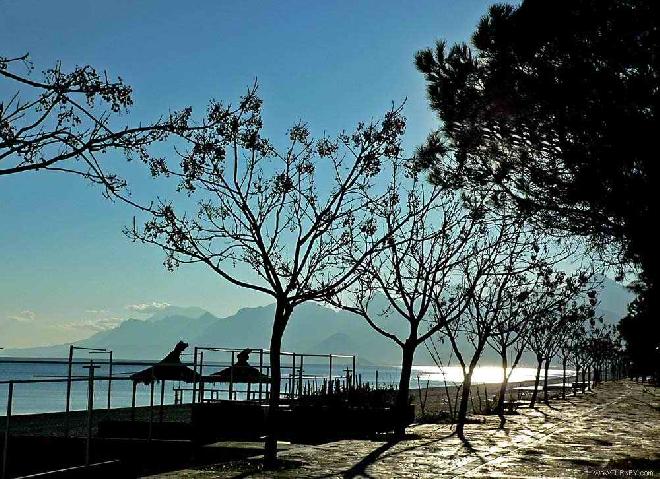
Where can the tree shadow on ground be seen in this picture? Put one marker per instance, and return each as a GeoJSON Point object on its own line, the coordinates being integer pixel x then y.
{"type": "Point", "coordinates": [467, 444]}
{"type": "Point", "coordinates": [360, 469]}
{"type": "Point", "coordinates": [550, 406]}
{"type": "Point", "coordinates": [546, 416]}
{"type": "Point", "coordinates": [380, 453]}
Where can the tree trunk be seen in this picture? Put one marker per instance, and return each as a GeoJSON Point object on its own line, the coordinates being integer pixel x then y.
{"type": "Point", "coordinates": [465, 397]}
{"type": "Point", "coordinates": [536, 382]}
{"type": "Point", "coordinates": [402, 398]}
{"type": "Point", "coordinates": [545, 380]}
{"type": "Point", "coordinates": [563, 379]}
{"type": "Point", "coordinates": [505, 381]}
{"type": "Point", "coordinates": [282, 314]}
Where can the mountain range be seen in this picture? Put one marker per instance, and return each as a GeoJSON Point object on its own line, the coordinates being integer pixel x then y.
{"type": "Point", "coordinates": [313, 328]}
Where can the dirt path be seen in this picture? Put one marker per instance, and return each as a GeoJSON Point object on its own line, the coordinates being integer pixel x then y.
{"type": "Point", "coordinates": [612, 432]}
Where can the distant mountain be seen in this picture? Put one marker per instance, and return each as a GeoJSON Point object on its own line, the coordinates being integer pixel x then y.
{"type": "Point", "coordinates": [192, 312]}
{"type": "Point", "coordinates": [613, 300]}
{"type": "Point", "coordinates": [313, 328]}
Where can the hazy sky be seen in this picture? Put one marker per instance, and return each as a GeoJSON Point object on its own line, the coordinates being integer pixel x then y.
{"type": "Point", "coordinates": [66, 270]}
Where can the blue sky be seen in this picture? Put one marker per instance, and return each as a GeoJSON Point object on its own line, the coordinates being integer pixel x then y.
{"type": "Point", "coordinates": [67, 270]}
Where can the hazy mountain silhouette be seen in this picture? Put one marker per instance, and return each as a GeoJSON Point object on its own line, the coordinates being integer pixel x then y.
{"type": "Point", "coordinates": [313, 328]}
{"type": "Point", "coordinates": [613, 300]}
{"type": "Point", "coordinates": [186, 311]}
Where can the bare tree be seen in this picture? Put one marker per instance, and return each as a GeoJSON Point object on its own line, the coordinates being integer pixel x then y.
{"type": "Point", "coordinates": [601, 345]}
{"type": "Point", "coordinates": [553, 323]}
{"type": "Point", "coordinates": [573, 337]}
{"type": "Point", "coordinates": [521, 303]}
{"type": "Point", "coordinates": [267, 211]}
{"type": "Point", "coordinates": [507, 252]}
{"type": "Point", "coordinates": [67, 122]}
{"type": "Point", "coordinates": [420, 264]}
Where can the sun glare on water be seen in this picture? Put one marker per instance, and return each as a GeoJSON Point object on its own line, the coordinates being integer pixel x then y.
{"type": "Point", "coordinates": [482, 374]}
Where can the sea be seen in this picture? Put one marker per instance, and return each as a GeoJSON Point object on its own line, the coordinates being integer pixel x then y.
{"type": "Point", "coordinates": [44, 396]}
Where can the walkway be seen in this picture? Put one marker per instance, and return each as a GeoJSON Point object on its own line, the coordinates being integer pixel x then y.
{"type": "Point", "coordinates": [612, 432]}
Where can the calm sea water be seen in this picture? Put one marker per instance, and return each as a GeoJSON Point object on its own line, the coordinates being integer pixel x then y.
{"type": "Point", "coordinates": [51, 397]}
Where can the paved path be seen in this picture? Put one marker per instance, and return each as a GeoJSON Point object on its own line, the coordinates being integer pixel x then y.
{"type": "Point", "coordinates": [613, 432]}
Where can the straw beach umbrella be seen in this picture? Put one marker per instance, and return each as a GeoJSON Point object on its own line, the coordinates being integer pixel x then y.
{"type": "Point", "coordinates": [170, 368]}
{"type": "Point", "coordinates": [240, 372]}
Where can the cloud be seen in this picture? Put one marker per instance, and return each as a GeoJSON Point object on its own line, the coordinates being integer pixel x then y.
{"type": "Point", "coordinates": [147, 307]}
{"type": "Point", "coordinates": [96, 324]}
{"type": "Point", "coordinates": [96, 311]}
{"type": "Point", "coordinates": [23, 317]}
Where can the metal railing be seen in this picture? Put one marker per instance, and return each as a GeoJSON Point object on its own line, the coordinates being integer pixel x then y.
{"type": "Point", "coordinates": [292, 384]}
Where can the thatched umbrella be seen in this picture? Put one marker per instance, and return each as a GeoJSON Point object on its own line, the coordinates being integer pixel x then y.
{"type": "Point", "coordinates": [170, 368]}
{"type": "Point", "coordinates": [240, 372]}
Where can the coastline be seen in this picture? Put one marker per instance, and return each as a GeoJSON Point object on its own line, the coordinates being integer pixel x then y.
{"type": "Point", "coordinates": [434, 400]}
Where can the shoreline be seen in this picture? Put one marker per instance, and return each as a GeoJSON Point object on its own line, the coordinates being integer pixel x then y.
{"type": "Point", "coordinates": [434, 399]}
{"type": "Point", "coordinates": [436, 402]}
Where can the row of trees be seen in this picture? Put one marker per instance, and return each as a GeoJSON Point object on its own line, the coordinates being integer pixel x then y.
{"type": "Point", "coordinates": [554, 105]}
{"type": "Point", "coordinates": [477, 253]}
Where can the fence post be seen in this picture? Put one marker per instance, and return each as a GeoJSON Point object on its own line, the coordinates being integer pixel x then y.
{"type": "Point", "coordinates": [354, 376]}
{"type": "Point", "coordinates": [109, 379]}
{"type": "Point", "coordinates": [230, 391]}
{"type": "Point", "coordinates": [261, 367]}
{"type": "Point", "coordinates": [162, 398]}
{"type": "Point", "coordinates": [68, 392]}
{"type": "Point", "coordinates": [292, 377]}
{"type": "Point", "coordinates": [90, 412]}
{"type": "Point", "coordinates": [5, 448]}
{"type": "Point", "coordinates": [194, 391]}
{"type": "Point", "coordinates": [133, 402]}
{"type": "Point", "coordinates": [151, 407]}
{"type": "Point", "coordinates": [300, 377]}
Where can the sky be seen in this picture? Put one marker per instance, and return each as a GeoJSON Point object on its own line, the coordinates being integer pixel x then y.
{"type": "Point", "coordinates": [66, 269]}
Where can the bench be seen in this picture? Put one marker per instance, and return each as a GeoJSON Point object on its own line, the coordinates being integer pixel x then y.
{"type": "Point", "coordinates": [522, 390]}
{"type": "Point", "coordinates": [514, 405]}
{"type": "Point", "coordinates": [579, 385]}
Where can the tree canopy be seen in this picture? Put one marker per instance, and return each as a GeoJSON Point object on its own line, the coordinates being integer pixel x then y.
{"type": "Point", "coordinates": [69, 121]}
{"type": "Point", "coordinates": [556, 104]}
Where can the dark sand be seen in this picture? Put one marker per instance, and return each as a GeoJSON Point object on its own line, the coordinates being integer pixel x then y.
{"type": "Point", "coordinates": [52, 424]}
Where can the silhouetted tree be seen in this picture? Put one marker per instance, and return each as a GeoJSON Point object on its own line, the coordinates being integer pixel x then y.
{"type": "Point", "coordinates": [505, 252]}
{"type": "Point", "coordinates": [549, 329]}
{"type": "Point", "coordinates": [601, 347]}
{"type": "Point", "coordinates": [537, 294]}
{"type": "Point", "coordinates": [556, 104]}
{"type": "Point", "coordinates": [572, 340]}
{"type": "Point", "coordinates": [67, 122]}
{"type": "Point", "coordinates": [416, 272]}
{"type": "Point", "coordinates": [276, 221]}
